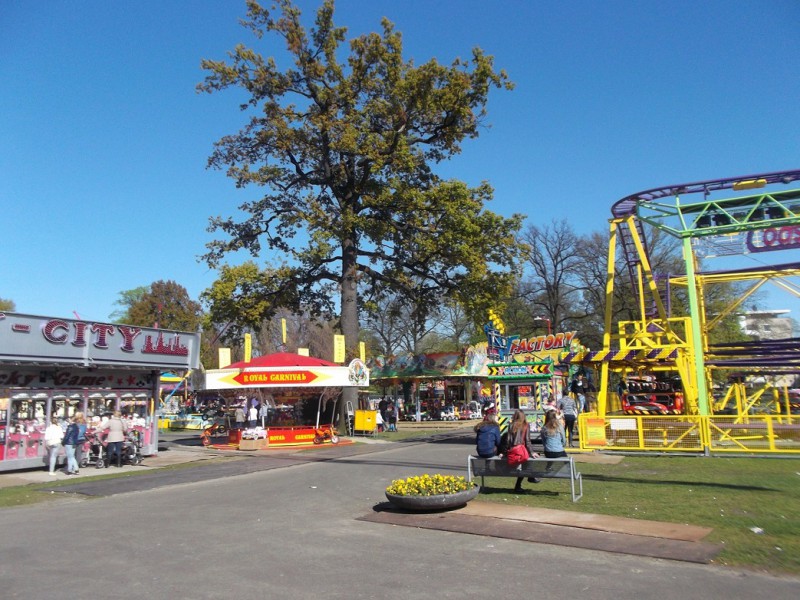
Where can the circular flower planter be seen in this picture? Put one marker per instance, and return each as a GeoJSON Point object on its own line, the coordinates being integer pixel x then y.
{"type": "Point", "coordinates": [437, 502]}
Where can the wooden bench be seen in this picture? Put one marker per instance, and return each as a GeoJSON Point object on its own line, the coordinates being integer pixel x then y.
{"type": "Point", "coordinates": [557, 468]}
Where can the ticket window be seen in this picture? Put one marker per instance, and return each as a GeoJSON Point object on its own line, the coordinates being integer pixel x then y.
{"type": "Point", "coordinates": [97, 406]}
{"type": "Point", "coordinates": [26, 415]}
{"type": "Point", "coordinates": [60, 408]}
{"type": "Point", "coordinates": [134, 408]}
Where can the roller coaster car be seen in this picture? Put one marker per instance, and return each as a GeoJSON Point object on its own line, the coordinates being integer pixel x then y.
{"type": "Point", "coordinates": [648, 396]}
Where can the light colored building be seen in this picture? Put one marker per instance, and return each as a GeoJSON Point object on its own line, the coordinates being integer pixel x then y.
{"type": "Point", "coordinates": [769, 325]}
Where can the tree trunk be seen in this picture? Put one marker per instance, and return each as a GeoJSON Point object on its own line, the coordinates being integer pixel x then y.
{"type": "Point", "coordinates": [349, 322]}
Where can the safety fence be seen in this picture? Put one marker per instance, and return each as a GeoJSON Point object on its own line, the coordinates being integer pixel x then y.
{"type": "Point", "coordinates": [756, 434]}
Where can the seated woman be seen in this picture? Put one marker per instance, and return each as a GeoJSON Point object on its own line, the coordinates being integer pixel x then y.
{"type": "Point", "coordinates": [553, 437]}
{"type": "Point", "coordinates": [518, 434]}
{"type": "Point", "coordinates": [487, 435]}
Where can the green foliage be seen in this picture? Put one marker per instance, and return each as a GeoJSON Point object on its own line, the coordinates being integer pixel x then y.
{"type": "Point", "coordinates": [344, 152]}
{"type": "Point", "coordinates": [127, 299]}
{"type": "Point", "coordinates": [167, 304]}
{"type": "Point", "coordinates": [244, 297]}
{"type": "Point", "coordinates": [7, 305]}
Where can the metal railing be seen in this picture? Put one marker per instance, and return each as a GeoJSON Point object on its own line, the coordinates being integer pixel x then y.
{"type": "Point", "coordinates": [748, 434]}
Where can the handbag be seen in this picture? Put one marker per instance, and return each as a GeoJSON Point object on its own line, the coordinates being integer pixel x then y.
{"type": "Point", "coordinates": [517, 455]}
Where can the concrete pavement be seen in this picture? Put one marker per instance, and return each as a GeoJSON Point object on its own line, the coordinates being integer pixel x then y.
{"type": "Point", "coordinates": [293, 527]}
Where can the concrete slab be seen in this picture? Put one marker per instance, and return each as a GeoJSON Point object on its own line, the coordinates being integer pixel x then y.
{"type": "Point", "coordinates": [565, 518]}
{"type": "Point", "coordinates": [545, 533]}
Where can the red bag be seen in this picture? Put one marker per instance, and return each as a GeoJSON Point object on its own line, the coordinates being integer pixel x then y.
{"type": "Point", "coordinates": [517, 455]}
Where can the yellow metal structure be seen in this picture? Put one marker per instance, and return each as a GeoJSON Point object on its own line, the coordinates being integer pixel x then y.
{"type": "Point", "coordinates": [760, 418]}
{"type": "Point", "coordinates": [762, 434]}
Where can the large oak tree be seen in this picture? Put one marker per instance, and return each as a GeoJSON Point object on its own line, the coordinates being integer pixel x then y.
{"type": "Point", "coordinates": [343, 145]}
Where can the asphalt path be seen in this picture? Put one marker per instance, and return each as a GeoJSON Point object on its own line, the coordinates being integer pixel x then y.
{"type": "Point", "coordinates": [287, 526]}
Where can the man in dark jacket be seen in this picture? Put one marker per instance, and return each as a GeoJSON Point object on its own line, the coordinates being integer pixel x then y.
{"type": "Point", "coordinates": [579, 388]}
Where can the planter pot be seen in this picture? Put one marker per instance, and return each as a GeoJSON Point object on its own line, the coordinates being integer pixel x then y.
{"type": "Point", "coordinates": [438, 502]}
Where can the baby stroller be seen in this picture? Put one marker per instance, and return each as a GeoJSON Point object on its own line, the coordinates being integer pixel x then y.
{"type": "Point", "coordinates": [132, 448]}
{"type": "Point", "coordinates": [92, 451]}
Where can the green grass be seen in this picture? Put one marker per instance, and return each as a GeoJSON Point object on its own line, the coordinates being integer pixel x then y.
{"type": "Point", "coordinates": [43, 492]}
{"type": "Point", "coordinates": [730, 495]}
{"type": "Point", "coordinates": [733, 496]}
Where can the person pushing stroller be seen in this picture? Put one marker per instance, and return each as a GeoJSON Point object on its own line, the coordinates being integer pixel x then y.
{"type": "Point", "coordinates": [116, 430]}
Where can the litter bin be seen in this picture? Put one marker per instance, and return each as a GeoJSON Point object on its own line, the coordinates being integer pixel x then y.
{"type": "Point", "coordinates": [234, 436]}
{"type": "Point", "coordinates": [366, 422]}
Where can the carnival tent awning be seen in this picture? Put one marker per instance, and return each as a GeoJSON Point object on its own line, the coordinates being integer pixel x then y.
{"type": "Point", "coordinates": [284, 369]}
{"type": "Point", "coordinates": [171, 382]}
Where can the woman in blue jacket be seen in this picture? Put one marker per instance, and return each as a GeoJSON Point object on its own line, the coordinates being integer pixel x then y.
{"type": "Point", "coordinates": [69, 442]}
{"type": "Point", "coordinates": [487, 436]}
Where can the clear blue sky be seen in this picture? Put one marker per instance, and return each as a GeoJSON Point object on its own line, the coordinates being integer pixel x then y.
{"type": "Point", "coordinates": [104, 141]}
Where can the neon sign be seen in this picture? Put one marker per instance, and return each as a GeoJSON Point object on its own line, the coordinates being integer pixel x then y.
{"type": "Point", "coordinates": [774, 238]}
{"type": "Point", "coordinates": [501, 347]}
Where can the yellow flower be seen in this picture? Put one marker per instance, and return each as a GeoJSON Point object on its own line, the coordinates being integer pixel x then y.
{"type": "Point", "coordinates": [427, 485]}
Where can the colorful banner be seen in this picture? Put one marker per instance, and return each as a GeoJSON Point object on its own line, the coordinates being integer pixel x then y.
{"type": "Point", "coordinates": [521, 371]}
{"type": "Point", "coordinates": [472, 362]}
{"type": "Point", "coordinates": [44, 340]}
{"type": "Point", "coordinates": [355, 374]}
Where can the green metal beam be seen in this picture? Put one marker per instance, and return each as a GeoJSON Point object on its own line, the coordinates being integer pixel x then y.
{"type": "Point", "coordinates": [719, 217]}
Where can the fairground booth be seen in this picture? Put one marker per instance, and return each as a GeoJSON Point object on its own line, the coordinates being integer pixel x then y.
{"type": "Point", "coordinates": [437, 386]}
{"type": "Point", "coordinates": [509, 372]}
{"type": "Point", "coordinates": [299, 394]}
{"type": "Point", "coordinates": [53, 367]}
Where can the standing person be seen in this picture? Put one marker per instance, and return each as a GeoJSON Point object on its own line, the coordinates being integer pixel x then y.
{"type": "Point", "coordinates": [519, 434]}
{"type": "Point", "coordinates": [391, 416]}
{"type": "Point", "coordinates": [70, 441]}
{"type": "Point", "coordinates": [239, 416]}
{"type": "Point", "coordinates": [382, 408]}
{"type": "Point", "coordinates": [579, 387]}
{"type": "Point", "coordinates": [590, 396]}
{"type": "Point", "coordinates": [52, 440]}
{"type": "Point", "coordinates": [81, 420]}
{"type": "Point", "coordinates": [569, 409]}
{"type": "Point", "coordinates": [553, 438]}
{"type": "Point", "coordinates": [116, 429]}
{"type": "Point", "coordinates": [252, 416]}
{"type": "Point", "coordinates": [487, 435]}
{"type": "Point", "coordinates": [263, 413]}
{"type": "Point", "coordinates": [379, 422]}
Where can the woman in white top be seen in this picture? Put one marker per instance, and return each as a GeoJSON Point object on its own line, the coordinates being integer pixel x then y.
{"type": "Point", "coordinates": [52, 439]}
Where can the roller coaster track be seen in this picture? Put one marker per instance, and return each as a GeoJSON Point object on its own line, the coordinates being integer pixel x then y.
{"type": "Point", "coordinates": [625, 211]}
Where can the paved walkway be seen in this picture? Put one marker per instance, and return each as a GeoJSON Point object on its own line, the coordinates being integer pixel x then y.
{"type": "Point", "coordinates": [300, 525]}
{"type": "Point", "coordinates": [566, 528]}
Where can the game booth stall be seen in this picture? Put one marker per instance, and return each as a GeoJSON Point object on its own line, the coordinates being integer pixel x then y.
{"type": "Point", "coordinates": [54, 368]}
{"type": "Point", "coordinates": [296, 384]}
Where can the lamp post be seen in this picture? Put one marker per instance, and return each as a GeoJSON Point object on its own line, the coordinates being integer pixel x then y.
{"type": "Point", "coordinates": [549, 328]}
